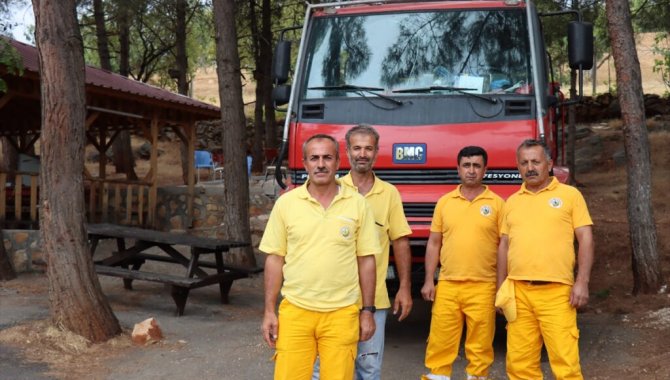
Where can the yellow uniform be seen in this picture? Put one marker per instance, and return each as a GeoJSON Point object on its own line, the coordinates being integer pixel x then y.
{"type": "Point", "coordinates": [466, 287]}
{"type": "Point", "coordinates": [540, 228]}
{"type": "Point", "coordinates": [321, 286]}
{"type": "Point", "coordinates": [384, 200]}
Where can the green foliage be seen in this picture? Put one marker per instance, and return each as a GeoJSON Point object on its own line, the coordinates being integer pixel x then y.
{"type": "Point", "coordinates": [10, 60]}
{"type": "Point", "coordinates": [152, 37]}
{"type": "Point", "coordinates": [662, 65]}
{"type": "Point", "coordinates": [651, 15]}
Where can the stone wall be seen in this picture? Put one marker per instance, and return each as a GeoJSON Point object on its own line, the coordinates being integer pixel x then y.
{"type": "Point", "coordinates": [25, 250]}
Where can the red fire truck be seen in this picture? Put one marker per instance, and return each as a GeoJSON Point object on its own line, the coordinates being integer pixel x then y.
{"type": "Point", "coordinates": [431, 77]}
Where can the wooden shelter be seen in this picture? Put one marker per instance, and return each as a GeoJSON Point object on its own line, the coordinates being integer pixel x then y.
{"type": "Point", "coordinates": [114, 103]}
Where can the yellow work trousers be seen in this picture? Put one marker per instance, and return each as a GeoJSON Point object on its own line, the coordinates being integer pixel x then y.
{"type": "Point", "coordinates": [304, 333]}
{"type": "Point", "coordinates": [457, 302]}
{"type": "Point", "coordinates": [544, 314]}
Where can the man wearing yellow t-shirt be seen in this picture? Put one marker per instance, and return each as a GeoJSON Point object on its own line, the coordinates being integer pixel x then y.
{"type": "Point", "coordinates": [464, 236]}
{"type": "Point", "coordinates": [321, 244]}
{"type": "Point", "coordinates": [536, 259]}
{"type": "Point", "coordinates": [392, 228]}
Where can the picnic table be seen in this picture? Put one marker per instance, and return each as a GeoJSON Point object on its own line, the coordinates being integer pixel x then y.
{"type": "Point", "coordinates": [126, 262]}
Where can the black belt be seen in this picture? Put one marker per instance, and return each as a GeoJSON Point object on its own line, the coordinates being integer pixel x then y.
{"type": "Point", "coordinates": [535, 282]}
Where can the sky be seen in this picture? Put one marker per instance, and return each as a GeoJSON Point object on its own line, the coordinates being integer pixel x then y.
{"type": "Point", "coordinates": [22, 18]}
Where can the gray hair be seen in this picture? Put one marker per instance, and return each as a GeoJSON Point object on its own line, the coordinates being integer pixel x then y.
{"type": "Point", "coordinates": [363, 129]}
{"type": "Point", "coordinates": [320, 136]}
{"type": "Point", "coordinates": [531, 143]}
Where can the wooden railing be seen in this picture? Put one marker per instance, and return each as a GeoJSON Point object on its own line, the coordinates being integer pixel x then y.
{"type": "Point", "coordinates": [120, 202]}
{"type": "Point", "coordinates": [18, 202]}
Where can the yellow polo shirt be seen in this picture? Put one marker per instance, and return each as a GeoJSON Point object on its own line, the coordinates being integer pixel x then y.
{"type": "Point", "coordinates": [320, 247]}
{"type": "Point", "coordinates": [384, 199]}
{"type": "Point", "coordinates": [541, 230]}
{"type": "Point", "coordinates": [470, 235]}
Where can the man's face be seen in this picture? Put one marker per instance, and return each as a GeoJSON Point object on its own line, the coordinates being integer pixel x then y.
{"type": "Point", "coordinates": [362, 152]}
{"type": "Point", "coordinates": [471, 170]}
{"type": "Point", "coordinates": [534, 166]}
{"type": "Point", "coordinates": [321, 161]}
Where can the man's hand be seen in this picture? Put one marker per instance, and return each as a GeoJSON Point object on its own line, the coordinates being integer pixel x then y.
{"type": "Point", "coordinates": [428, 290]}
{"type": "Point", "coordinates": [402, 303]}
{"type": "Point", "coordinates": [367, 323]}
{"type": "Point", "coordinates": [579, 296]}
{"type": "Point", "coordinates": [270, 327]}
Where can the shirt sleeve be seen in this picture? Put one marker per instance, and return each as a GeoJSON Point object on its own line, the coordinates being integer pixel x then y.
{"type": "Point", "coordinates": [436, 223]}
{"type": "Point", "coordinates": [398, 226]}
{"type": "Point", "coordinates": [274, 240]}
{"type": "Point", "coordinates": [580, 212]}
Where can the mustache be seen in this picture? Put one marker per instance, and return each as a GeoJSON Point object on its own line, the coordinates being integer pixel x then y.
{"type": "Point", "coordinates": [320, 170]}
{"type": "Point", "coordinates": [531, 173]}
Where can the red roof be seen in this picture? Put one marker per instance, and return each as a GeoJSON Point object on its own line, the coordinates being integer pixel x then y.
{"type": "Point", "coordinates": [104, 79]}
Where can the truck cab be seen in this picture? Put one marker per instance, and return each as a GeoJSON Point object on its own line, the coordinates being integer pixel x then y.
{"type": "Point", "coordinates": [431, 77]}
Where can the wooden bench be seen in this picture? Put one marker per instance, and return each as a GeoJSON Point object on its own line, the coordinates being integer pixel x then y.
{"type": "Point", "coordinates": [127, 261]}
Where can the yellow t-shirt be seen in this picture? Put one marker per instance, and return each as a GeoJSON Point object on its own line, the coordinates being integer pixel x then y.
{"type": "Point", "coordinates": [541, 230]}
{"type": "Point", "coordinates": [384, 199]}
{"type": "Point", "coordinates": [470, 235]}
{"type": "Point", "coordinates": [320, 247]}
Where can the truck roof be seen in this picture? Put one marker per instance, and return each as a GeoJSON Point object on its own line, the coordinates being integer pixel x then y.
{"type": "Point", "coordinates": [376, 6]}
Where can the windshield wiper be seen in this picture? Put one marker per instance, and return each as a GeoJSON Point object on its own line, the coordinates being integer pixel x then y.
{"type": "Point", "coordinates": [358, 89]}
{"type": "Point", "coordinates": [460, 90]}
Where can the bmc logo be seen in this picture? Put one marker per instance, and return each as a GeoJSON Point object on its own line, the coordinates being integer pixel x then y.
{"type": "Point", "coordinates": [409, 153]}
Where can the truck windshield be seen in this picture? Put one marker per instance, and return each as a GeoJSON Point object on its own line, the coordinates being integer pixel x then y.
{"type": "Point", "coordinates": [481, 51]}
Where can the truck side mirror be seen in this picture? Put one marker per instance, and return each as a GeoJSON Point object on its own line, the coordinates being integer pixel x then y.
{"type": "Point", "coordinates": [282, 62]}
{"type": "Point", "coordinates": [580, 45]}
{"type": "Point", "coordinates": [281, 95]}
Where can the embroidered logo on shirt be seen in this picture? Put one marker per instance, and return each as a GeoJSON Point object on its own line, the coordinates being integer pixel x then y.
{"type": "Point", "coordinates": [485, 210]}
{"type": "Point", "coordinates": [555, 202]}
{"type": "Point", "coordinates": [344, 231]}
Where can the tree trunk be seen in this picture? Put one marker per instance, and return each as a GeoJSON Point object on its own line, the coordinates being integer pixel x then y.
{"type": "Point", "coordinates": [10, 156]}
{"type": "Point", "coordinates": [236, 184]}
{"type": "Point", "coordinates": [6, 269]}
{"type": "Point", "coordinates": [123, 24]}
{"type": "Point", "coordinates": [266, 64]}
{"type": "Point", "coordinates": [647, 274]}
{"type": "Point", "coordinates": [122, 153]}
{"type": "Point", "coordinates": [101, 34]}
{"type": "Point", "coordinates": [182, 68]}
{"type": "Point", "coordinates": [259, 125]}
{"type": "Point", "coordinates": [75, 297]}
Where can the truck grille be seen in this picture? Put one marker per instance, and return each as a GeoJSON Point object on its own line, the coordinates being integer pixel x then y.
{"type": "Point", "coordinates": [428, 176]}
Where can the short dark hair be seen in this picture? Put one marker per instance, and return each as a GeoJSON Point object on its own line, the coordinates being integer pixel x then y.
{"type": "Point", "coordinates": [319, 136]}
{"type": "Point", "coordinates": [470, 151]}
{"type": "Point", "coordinates": [363, 129]}
{"type": "Point", "coordinates": [530, 143]}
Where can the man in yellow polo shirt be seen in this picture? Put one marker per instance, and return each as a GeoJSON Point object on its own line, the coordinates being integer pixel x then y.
{"type": "Point", "coordinates": [321, 244]}
{"type": "Point", "coordinates": [464, 236]}
{"type": "Point", "coordinates": [537, 258]}
{"type": "Point", "coordinates": [392, 228]}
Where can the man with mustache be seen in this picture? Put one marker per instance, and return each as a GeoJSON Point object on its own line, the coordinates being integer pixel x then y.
{"type": "Point", "coordinates": [321, 244]}
{"type": "Point", "coordinates": [536, 260]}
{"type": "Point", "coordinates": [464, 236]}
{"type": "Point", "coordinates": [392, 228]}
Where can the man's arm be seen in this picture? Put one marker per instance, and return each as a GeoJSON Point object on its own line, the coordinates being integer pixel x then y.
{"type": "Point", "coordinates": [367, 278]}
{"type": "Point", "coordinates": [433, 248]}
{"type": "Point", "coordinates": [403, 263]}
{"type": "Point", "coordinates": [580, 290]}
{"type": "Point", "coordinates": [501, 265]}
{"type": "Point", "coordinates": [273, 281]}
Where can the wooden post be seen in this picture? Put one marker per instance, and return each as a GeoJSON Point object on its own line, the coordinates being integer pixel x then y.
{"type": "Point", "coordinates": [153, 190]}
{"type": "Point", "coordinates": [191, 133]}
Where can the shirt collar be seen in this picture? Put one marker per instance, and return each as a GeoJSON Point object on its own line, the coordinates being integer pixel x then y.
{"type": "Point", "coordinates": [552, 185]}
{"type": "Point", "coordinates": [343, 191]}
{"type": "Point", "coordinates": [485, 194]}
{"type": "Point", "coordinates": [376, 186]}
